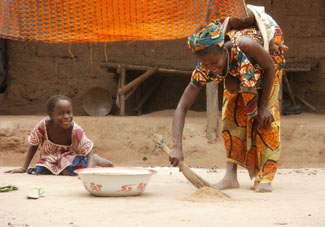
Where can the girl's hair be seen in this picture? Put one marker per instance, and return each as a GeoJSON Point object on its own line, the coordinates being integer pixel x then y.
{"type": "Point", "coordinates": [53, 99]}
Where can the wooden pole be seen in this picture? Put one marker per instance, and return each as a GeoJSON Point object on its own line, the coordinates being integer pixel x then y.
{"type": "Point", "coordinates": [290, 92]}
{"type": "Point", "coordinates": [213, 113]}
{"type": "Point", "coordinates": [117, 95]}
{"type": "Point", "coordinates": [138, 95]}
{"type": "Point", "coordinates": [144, 99]}
{"type": "Point", "coordinates": [306, 103]}
{"type": "Point", "coordinates": [130, 93]}
{"type": "Point", "coordinates": [122, 97]}
{"type": "Point", "coordinates": [136, 82]}
{"type": "Point", "coordinates": [144, 68]}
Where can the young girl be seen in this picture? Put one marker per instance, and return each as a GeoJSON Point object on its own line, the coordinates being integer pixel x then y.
{"type": "Point", "coordinates": [64, 146]}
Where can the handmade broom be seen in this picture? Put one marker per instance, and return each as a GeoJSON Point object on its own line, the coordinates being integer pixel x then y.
{"type": "Point", "coordinates": [196, 180]}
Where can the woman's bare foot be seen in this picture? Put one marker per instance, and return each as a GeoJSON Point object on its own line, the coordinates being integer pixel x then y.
{"type": "Point", "coordinates": [230, 178]}
{"type": "Point", "coordinates": [264, 188]}
{"type": "Point", "coordinates": [226, 184]}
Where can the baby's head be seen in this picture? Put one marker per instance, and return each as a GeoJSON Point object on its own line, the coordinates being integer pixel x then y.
{"type": "Point", "coordinates": [59, 109]}
{"type": "Point", "coordinates": [241, 23]}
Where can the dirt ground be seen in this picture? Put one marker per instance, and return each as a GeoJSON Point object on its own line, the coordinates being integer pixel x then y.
{"type": "Point", "coordinates": [128, 141]}
{"type": "Point", "coordinates": [298, 197]}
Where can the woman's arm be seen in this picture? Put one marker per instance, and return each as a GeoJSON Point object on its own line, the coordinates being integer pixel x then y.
{"type": "Point", "coordinates": [30, 154]}
{"type": "Point", "coordinates": [256, 52]}
{"type": "Point", "coordinates": [176, 155]}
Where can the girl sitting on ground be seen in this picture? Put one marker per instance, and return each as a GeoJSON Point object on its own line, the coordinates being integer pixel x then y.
{"type": "Point", "coordinates": [64, 146]}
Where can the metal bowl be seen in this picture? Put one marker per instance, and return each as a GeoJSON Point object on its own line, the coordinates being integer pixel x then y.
{"type": "Point", "coordinates": [97, 101]}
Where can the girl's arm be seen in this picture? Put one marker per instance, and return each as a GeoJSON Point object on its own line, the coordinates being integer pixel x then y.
{"type": "Point", "coordinates": [30, 154]}
{"type": "Point", "coordinates": [176, 155]}
{"type": "Point", "coordinates": [256, 52]}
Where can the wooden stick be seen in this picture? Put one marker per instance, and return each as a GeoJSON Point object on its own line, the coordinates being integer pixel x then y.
{"type": "Point", "coordinates": [212, 112]}
{"type": "Point", "coordinates": [136, 82]}
{"type": "Point", "coordinates": [306, 103]}
{"type": "Point", "coordinates": [145, 68]}
{"type": "Point", "coordinates": [195, 179]}
{"type": "Point", "coordinates": [122, 97]}
{"type": "Point", "coordinates": [291, 94]}
{"type": "Point", "coordinates": [130, 93]}
{"type": "Point", "coordinates": [144, 99]}
{"type": "Point", "coordinates": [301, 66]}
{"type": "Point", "coordinates": [117, 95]}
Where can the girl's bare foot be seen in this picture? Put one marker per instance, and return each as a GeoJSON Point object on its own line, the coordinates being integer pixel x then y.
{"type": "Point", "coordinates": [264, 188]}
{"type": "Point", "coordinates": [97, 161]}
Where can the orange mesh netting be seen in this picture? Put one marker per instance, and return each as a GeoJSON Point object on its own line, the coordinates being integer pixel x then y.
{"type": "Point", "coordinates": [110, 20]}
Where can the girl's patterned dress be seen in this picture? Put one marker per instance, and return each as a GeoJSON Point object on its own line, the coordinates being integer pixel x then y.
{"type": "Point", "coordinates": [247, 143]}
{"type": "Point", "coordinates": [55, 157]}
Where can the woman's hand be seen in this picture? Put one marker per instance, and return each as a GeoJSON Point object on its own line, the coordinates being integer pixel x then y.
{"type": "Point", "coordinates": [265, 115]}
{"type": "Point", "coordinates": [19, 170]}
{"type": "Point", "coordinates": [176, 158]}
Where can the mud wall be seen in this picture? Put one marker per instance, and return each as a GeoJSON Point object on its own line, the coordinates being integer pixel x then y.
{"type": "Point", "coordinates": [38, 70]}
{"type": "Point", "coordinates": [303, 23]}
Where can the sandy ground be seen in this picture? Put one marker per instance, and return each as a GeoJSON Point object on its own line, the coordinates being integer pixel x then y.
{"type": "Point", "coordinates": [127, 141]}
{"type": "Point", "coordinates": [298, 199]}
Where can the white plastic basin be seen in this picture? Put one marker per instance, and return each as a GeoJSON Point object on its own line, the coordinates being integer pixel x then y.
{"type": "Point", "coordinates": [115, 181]}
